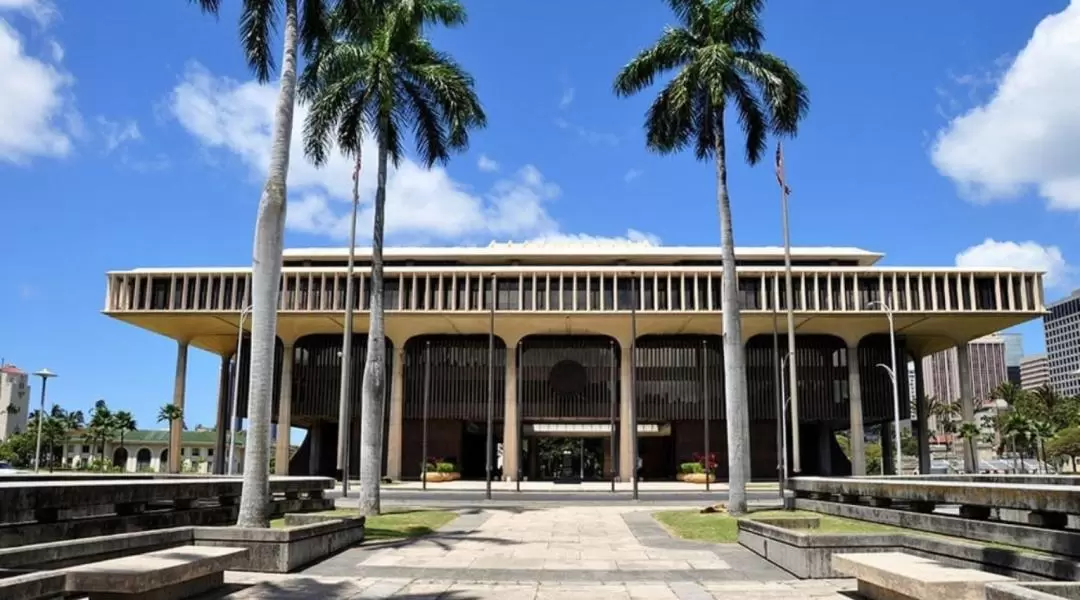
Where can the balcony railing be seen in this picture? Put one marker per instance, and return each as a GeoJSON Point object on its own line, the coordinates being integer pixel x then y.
{"type": "Point", "coordinates": [585, 289]}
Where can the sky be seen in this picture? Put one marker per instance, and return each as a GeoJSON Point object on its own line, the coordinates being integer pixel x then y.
{"type": "Point", "coordinates": [939, 138]}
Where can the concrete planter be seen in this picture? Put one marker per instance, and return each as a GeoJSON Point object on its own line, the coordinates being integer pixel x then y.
{"type": "Point", "coordinates": [285, 550]}
{"type": "Point", "coordinates": [694, 477]}
{"type": "Point", "coordinates": [794, 546]}
{"type": "Point", "coordinates": [807, 555]}
{"type": "Point", "coordinates": [434, 477]}
{"type": "Point", "coordinates": [1033, 591]}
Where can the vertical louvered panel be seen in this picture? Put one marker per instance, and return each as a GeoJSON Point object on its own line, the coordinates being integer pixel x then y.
{"type": "Point", "coordinates": [317, 375]}
{"type": "Point", "coordinates": [565, 377]}
{"type": "Point", "coordinates": [669, 377]}
{"type": "Point", "coordinates": [459, 377]}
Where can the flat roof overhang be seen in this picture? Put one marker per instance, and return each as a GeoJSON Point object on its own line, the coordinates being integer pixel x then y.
{"type": "Point", "coordinates": [926, 332]}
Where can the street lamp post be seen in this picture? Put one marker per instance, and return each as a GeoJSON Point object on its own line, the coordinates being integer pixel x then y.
{"type": "Point", "coordinates": [231, 469]}
{"type": "Point", "coordinates": [44, 374]}
{"type": "Point", "coordinates": [892, 375]}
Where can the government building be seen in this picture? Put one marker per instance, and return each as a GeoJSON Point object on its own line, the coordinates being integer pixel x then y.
{"type": "Point", "coordinates": [579, 332]}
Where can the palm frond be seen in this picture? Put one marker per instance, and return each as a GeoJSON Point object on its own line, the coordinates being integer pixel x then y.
{"type": "Point", "coordinates": [208, 6]}
{"type": "Point", "coordinates": [785, 95]}
{"type": "Point", "coordinates": [752, 118]}
{"type": "Point", "coordinates": [738, 24]}
{"type": "Point", "coordinates": [258, 20]}
{"type": "Point", "coordinates": [669, 122]}
{"type": "Point", "coordinates": [674, 48]}
{"type": "Point", "coordinates": [429, 130]}
{"type": "Point", "coordinates": [688, 11]}
{"type": "Point", "coordinates": [314, 26]}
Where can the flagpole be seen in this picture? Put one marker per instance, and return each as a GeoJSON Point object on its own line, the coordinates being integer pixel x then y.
{"type": "Point", "coordinates": [790, 309]}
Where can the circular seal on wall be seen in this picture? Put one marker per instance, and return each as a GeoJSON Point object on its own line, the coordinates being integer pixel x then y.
{"type": "Point", "coordinates": [568, 377]}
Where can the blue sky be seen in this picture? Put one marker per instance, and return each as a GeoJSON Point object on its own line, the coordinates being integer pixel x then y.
{"type": "Point", "coordinates": [135, 137]}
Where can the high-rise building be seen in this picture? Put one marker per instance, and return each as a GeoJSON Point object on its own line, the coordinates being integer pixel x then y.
{"type": "Point", "coordinates": [1014, 353]}
{"type": "Point", "coordinates": [986, 356]}
{"type": "Point", "coordinates": [1033, 372]}
{"type": "Point", "coordinates": [14, 400]}
{"type": "Point", "coordinates": [1062, 327]}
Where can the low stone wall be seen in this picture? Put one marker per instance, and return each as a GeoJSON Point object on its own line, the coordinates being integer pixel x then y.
{"type": "Point", "coordinates": [1063, 542]}
{"type": "Point", "coordinates": [1033, 591]}
{"type": "Point", "coordinates": [56, 555]}
{"type": "Point", "coordinates": [85, 506]}
{"type": "Point", "coordinates": [34, 586]}
{"type": "Point", "coordinates": [808, 555]}
{"type": "Point", "coordinates": [285, 550]}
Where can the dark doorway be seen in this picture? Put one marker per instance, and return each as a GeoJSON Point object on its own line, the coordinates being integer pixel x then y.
{"type": "Point", "coordinates": [473, 464]}
{"type": "Point", "coordinates": [565, 459]}
{"type": "Point", "coordinates": [657, 456]}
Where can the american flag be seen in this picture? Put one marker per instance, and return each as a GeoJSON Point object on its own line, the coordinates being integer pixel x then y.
{"type": "Point", "coordinates": [780, 169]}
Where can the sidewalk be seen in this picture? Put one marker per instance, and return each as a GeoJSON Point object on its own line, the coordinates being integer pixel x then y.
{"type": "Point", "coordinates": [549, 486]}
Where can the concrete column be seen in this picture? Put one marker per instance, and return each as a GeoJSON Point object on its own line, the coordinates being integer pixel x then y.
{"type": "Point", "coordinates": [858, 451]}
{"type": "Point", "coordinates": [314, 447]}
{"type": "Point", "coordinates": [221, 429]}
{"type": "Point", "coordinates": [512, 422]}
{"type": "Point", "coordinates": [922, 417]}
{"type": "Point", "coordinates": [825, 449]}
{"type": "Point", "coordinates": [626, 373]}
{"type": "Point", "coordinates": [967, 401]}
{"type": "Point", "coordinates": [284, 420]}
{"type": "Point", "coordinates": [397, 415]}
{"type": "Point", "coordinates": [176, 427]}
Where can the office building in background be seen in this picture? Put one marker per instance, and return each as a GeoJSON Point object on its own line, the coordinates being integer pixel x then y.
{"type": "Point", "coordinates": [14, 400]}
{"type": "Point", "coordinates": [1034, 372]}
{"type": "Point", "coordinates": [1062, 327]}
{"type": "Point", "coordinates": [986, 359]}
{"type": "Point", "coordinates": [1014, 353]}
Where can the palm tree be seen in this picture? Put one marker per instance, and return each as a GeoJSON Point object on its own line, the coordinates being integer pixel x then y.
{"type": "Point", "coordinates": [970, 432]}
{"type": "Point", "coordinates": [717, 52]}
{"type": "Point", "coordinates": [381, 75]}
{"type": "Point", "coordinates": [100, 428]}
{"type": "Point", "coordinates": [170, 413]}
{"type": "Point", "coordinates": [1016, 427]}
{"type": "Point", "coordinates": [123, 422]}
{"type": "Point", "coordinates": [304, 24]}
{"type": "Point", "coordinates": [1040, 432]}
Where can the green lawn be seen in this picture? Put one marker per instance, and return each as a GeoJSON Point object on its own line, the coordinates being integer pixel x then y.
{"type": "Point", "coordinates": [395, 524]}
{"type": "Point", "coordinates": [721, 527]}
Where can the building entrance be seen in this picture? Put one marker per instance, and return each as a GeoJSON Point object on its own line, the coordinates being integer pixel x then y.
{"type": "Point", "coordinates": [565, 459]}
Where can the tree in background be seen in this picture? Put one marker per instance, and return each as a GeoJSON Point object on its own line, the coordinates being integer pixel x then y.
{"type": "Point", "coordinates": [171, 412]}
{"type": "Point", "coordinates": [1065, 444]}
{"type": "Point", "coordinates": [970, 432]}
{"type": "Point", "coordinates": [716, 54]}
{"type": "Point", "coordinates": [100, 429]}
{"type": "Point", "coordinates": [304, 26]}
{"type": "Point", "coordinates": [123, 422]}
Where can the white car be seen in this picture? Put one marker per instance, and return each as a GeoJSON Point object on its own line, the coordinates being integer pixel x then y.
{"type": "Point", "coordinates": [7, 469]}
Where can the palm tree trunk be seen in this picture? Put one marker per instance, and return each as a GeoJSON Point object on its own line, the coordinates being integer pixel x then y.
{"type": "Point", "coordinates": [738, 419]}
{"type": "Point", "coordinates": [265, 282]}
{"type": "Point", "coordinates": [371, 407]}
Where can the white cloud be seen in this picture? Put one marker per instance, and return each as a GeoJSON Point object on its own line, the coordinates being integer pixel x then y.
{"type": "Point", "coordinates": [56, 50]}
{"type": "Point", "coordinates": [36, 117]}
{"type": "Point", "coordinates": [41, 11]}
{"type": "Point", "coordinates": [1019, 255]}
{"type": "Point", "coordinates": [423, 205]}
{"type": "Point", "coordinates": [116, 133]}
{"type": "Point", "coordinates": [631, 175]}
{"type": "Point", "coordinates": [567, 97]}
{"type": "Point", "coordinates": [590, 136]}
{"type": "Point", "coordinates": [486, 164]}
{"type": "Point", "coordinates": [1026, 135]}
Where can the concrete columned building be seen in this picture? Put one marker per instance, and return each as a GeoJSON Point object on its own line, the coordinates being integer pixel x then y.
{"type": "Point", "coordinates": [579, 332]}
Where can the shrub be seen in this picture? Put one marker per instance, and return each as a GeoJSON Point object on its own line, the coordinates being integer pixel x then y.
{"type": "Point", "coordinates": [444, 467]}
{"type": "Point", "coordinates": [687, 468]}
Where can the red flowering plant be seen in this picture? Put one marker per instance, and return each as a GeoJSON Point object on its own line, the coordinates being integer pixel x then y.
{"type": "Point", "coordinates": [707, 462]}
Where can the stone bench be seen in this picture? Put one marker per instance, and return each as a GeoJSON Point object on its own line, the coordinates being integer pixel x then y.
{"type": "Point", "coordinates": [162, 575]}
{"type": "Point", "coordinates": [897, 575]}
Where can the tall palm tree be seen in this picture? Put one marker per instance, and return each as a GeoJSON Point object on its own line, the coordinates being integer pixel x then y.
{"type": "Point", "coordinates": [716, 51]}
{"type": "Point", "coordinates": [1040, 432]}
{"type": "Point", "coordinates": [381, 75]}
{"type": "Point", "coordinates": [123, 422]}
{"type": "Point", "coordinates": [970, 432]}
{"type": "Point", "coordinates": [1016, 428]}
{"type": "Point", "coordinates": [100, 428]}
{"type": "Point", "coordinates": [170, 413]}
{"type": "Point", "coordinates": [304, 24]}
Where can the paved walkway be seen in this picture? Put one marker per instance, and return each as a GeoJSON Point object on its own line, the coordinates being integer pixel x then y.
{"type": "Point", "coordinates": [551, 486]}
{"type": "Point", "coordinates": [565, 552]}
